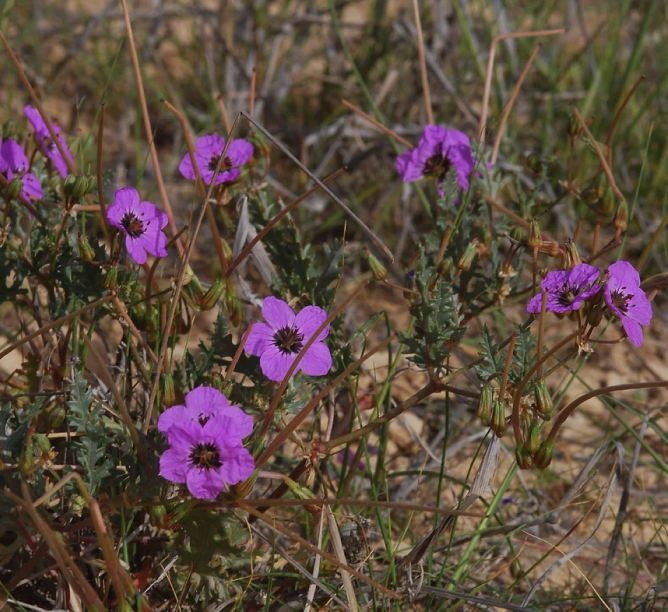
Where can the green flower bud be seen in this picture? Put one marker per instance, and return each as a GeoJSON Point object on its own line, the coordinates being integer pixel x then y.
{"type": "Point", "coordinates": [235, 308]}
{"type": "Point", "coordinates": [465, 261]}
{"type": "Point", "coordinates": [111, 278]}
{"type": "Point", "coordinates": [517, 233]}
{"type": "Point", "coordinates": [43, 443]}
{"type": "Point", "coordinates": [595, 315]}
{"type": "Point", "coordinates": [55, 183]}
{"type": "Point", "coordinates": [535, 240]}
{"type": "Point", "coordinates": [573, 128]}
{"type": "Point", "coordinates": [13, 189]}
{"type": "Point", "coordinates": [543, 457]}
{"type": "Point", "coordinates": [544, 404]}
{"type": "Point", "coordinates": [86, 251]}
{"type": "Point", "coordinates": [551, 249]}
{"type": "Point", "coordinates": [378, 270]}
{"type": "Point", "coordinates": [55, 417]}
{"type": "Point", "coordinates": [26, 458]}
{"type": "Point", "coordinates": [621, 220]}
{"type": "Point", "coordinates": [91, 183]}
{"type": "Point", "coordinates": [301, 492]}
{"type": "Point", "coordinates": [210, 299]}
{"type": "Point", "coordinates": [532, 443]}
{"type": "Point", "coordinates": [157, 515]}
{"type": "Point", "coordinates": [243, 489]}
{"type": "Point", "coordinates": [445, 266]}
{"type": "Point", "coordinates": [608, 202]}
{"type": "Point", "coordinates": [168, 391]}
{"type": "Point", "coordinates": [572, 255]}
{"type": "Point", "coordinates": [178, 513]}
{"type": "Point", "coordinates": [485, 403]}
{"type": "Point", "coordinates": [68, 185]}
{"type": "Point", "coordinates": [229, 254]}
{"type": "Point", "coordinates": [498, 422]}
{"type": "Point", "coordinates": [523, 458]}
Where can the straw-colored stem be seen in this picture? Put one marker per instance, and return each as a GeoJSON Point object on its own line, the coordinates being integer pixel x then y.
{"type": "Point", "coordinates": [237, 354]}
{"type": "Point", "coordinates": [423, 63]}
{"type": "Point", "coordinates": [511, 103]}
{"type": "Point", "coordinates": [377, 123]}
{"type": "Point", "coordinates": [490, 69]}
{"type": "Point", "coordinates": [618, 114]}
{"type": "Point", "coordinates": [147, 127]}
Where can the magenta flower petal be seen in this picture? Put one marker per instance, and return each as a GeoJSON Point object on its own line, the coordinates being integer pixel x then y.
{"type": "Point", "coordinates": [239, 152]}
{"type": "Point", "coordinates": [12, 157]}
{"type": "Point", "coordinates": [173, 416]}
{"type": "Point", "coordinates": [567, 289]}
{"type": "Point", "coordinates": [141, 222]}
{"type": "Point", "coordinates": [277, 313]}
{"type": "Point", "coordinates": [46, 143]}
{"type": "Point", "coordinates": [206, 401]}
{"type": "Point", "coordinates": [204, 484]}
{"type": "Point", "coordinates": [260, 336]}
{"type": "Point", "coordinates": [279, 343]}
{"type": "Point", "coordinates": [275, 363]}
{"type": "Point", "coordinates": [238, 465]}
{"type": "Point", "coordinates": [627, 300]}
{"type": "Point", "coordinates": [32, 188]}
{"type": "Point", "coordinates": [317, 361]}
{"type": "Point", "coordinates": [309, 319]}
{"type": "Point", "coordinates": [409, 168]}
{"type": "Point", "coordinates": [172, 466]}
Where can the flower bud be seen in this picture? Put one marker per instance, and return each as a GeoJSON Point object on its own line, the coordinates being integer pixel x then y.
{"type": "Point", "coordinates": [244, 488]}
{"type": "Point", "coordinates": [498, 422]}
{"type": "Point", "coordinates": [595, 316]}
{"type": "Point", "coordinates": [572, 255]}
{"type": "Point", "coordinates": [43, 443]}
{"type": "Point", "coordinates": [68, 185]}
{"type": "Point", "coordinates": [535, 240]}
{"type": "Point", "coordinates": [55, 417]}
{"type": "Point", "coordinates": [13, 189]}
{"type": "Point", "coordinates": [544, 404]}
{"type": "Point", "coordinates": [573, 128]}
{"type": "Point", "coordinates": [550, 248]}
{"type": "Point", "coordinates": [543, 457]}
{"type": "Point", "coordinates": [378, 270]}
{"type": "Point", "coordinates": [517, 233]}
{"type": "Point", "coordinates": [168, 390]}
{"type": "Point", "coordinates": [86, 251]}
{"type": "Point", "coordinates": [157, 515]}
{"type": "Point", "coordinates": [532, 443]}
{"type": "Point", "coordinates": [235, 308]}
{"type": "Point", "coordinates": [445, 266]}
{"type": "Point", "coordinates": [621, 220]}
{"type": "Point", "coordinates": [465, 261]}
{"type": "Point", "coordinates": [523, 458]}
{"type": "Point", "coordinates": [91, 183]}
{"type": "Point", "coordinates": [55, 183]}
{"type": "Point", "coordinates": [26, 458]}
{"type": "Point", "coordinates": [210, 299]}
{"type": "Point", "coordinates": [301, 492]}
{"type": "Point", "coordinates": [178, 513]}
{"type": "Point", "coordinates": [484, 411]}
{"type": "Point", "coordinates": [608, 202]}
{"type": "Point", "coordinates": [111, 278]}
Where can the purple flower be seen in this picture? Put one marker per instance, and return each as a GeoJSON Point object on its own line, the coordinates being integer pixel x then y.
{"type": "Point", "coordinates": [13, 162]}
{"type": "Point", "coordinates": [278, 341]}
{"type": "Point", "coordinates": [566, 289]}
{"type": "Point", "coordinates": [207, 153]}
{"type": "Point", "coordinates": [438, 151]}
{"type": "Point", "coordinates": [203, 404]}
{"type": "Point", "coordinates": [627, 300]}
{"type": "Point", "coordinates": [208, 457]}
{"type": "Point", "coordinates": [141, 222]}
{"type": "Point", "coordinates": [45, 141]}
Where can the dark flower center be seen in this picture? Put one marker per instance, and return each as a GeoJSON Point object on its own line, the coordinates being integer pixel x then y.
{"type": "Point", "coordinates": [620, 300]}
{"type": "Point", "coordinates": [205, 456]}
{"type": "Point", "coordinates": [133, 225]}
{"type": "Point", "coordinates": [213, 163]}
{"type": "Point", "coordinates": [567, 294]}
{"type": "Point", "coordinates": [437, 165]}
{"type": "Point", "coordinates": [289, 340]}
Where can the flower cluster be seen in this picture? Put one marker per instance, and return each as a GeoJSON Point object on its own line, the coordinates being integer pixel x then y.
{"type": "Point", "coordinates": [278, 341]}
{"type": "Point", "coordinates": [568, 290]}
{"type": "Point", "coordinates": [206, 451]}
{"type": "Point", "coordinates": [14, 163]}
{"type": "Point", "coordinates": [438, 151]}
{"type": "Point", "coordinates": [46, 143]}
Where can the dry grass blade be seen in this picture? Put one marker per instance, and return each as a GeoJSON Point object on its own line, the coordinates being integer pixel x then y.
{"type": "Point", "coordinates": [473, 599]}
{"type": "Point", "coordinates": [611, 490]}
{"type": "Point", "coordinates": [337, 545]}
{"type": "Point", "coordinates": [322, 186]}
{"type": "Point", "coordinates": [480, 484]}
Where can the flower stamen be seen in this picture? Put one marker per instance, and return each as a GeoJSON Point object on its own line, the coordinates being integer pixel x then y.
{"type": "Point", "coordinates": [288, 340]}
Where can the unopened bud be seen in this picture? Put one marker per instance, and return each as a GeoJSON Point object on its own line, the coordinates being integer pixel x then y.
{"type": "Point", "coordinates": [532, 443]}
{"type": "Point", "coordinates": [157, 515]}
{"type": "Point", "coordinates": [465, 261]}
{"type": "Point", "coordinates": [210, 299]}
{"type": "Point", "coordinates": [445, 266]}
{"type": "Point", "coordinates": [544, 404]}
{"type": "Point", "coordinates": [517, 233]}
{"type": "Point", "coordinates": [86, 251]}
{"type": "Point", "coordinates": [595, 315]}
{"type": "Point", "coordinates": [608, 202]}
{"type": "Point", "coordinates": [180, 512]}
{"type": "Point", "coordinates": [68, 185]}
{"type": "Point", "coordinates": [244, 488]}
{"type": "Point", "coordinates": [43, 443]}
{"type": "Point", "coordinates": [168, 390]}
{"type": "Point", "coordinates": [535, 240]}
{"type": "Point", "coordinates": [572, 255]}
{"type": "Point", "coordinates": [573, 128]}
{"type": "Point", "coordinates": [55, 183]}
{"type": "Point", "coordinates": [13, 189]}
{"type": "Point", "coordinates": [233, 304]}
{"type": "Point", "coordinates": [543, 457]}
{"type": "Point", "coordinates": [498, 422]}
{"type": "Point", "coordinates": [26, 459]}
{"type": "Point", "coordinates": [378, 270]}
{"type": "Point", "coordinates": [227, 251]}
{"type": "Point", "coordinates": [523, 457]}
{"type": "Point", "coordinates": [301, 492]}
{"type": "Point", "coordinates": [91, 183]}
{"type": "Point", "coordinates": [485, 403]}
{"type": "Point", "coordinates": [111, 278]}
{"type": "Point", "coordinates": [621, 221]}
{"type": "Point", "coordinates": [55, 417]}
{"type": "Point", "coordinates": [550, 248]}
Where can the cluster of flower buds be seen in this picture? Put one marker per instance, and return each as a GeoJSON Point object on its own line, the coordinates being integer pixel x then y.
{"type": "Point", "coordinates": [492, 409]}
{"type": "Point", "coordinates": [77, 187]}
